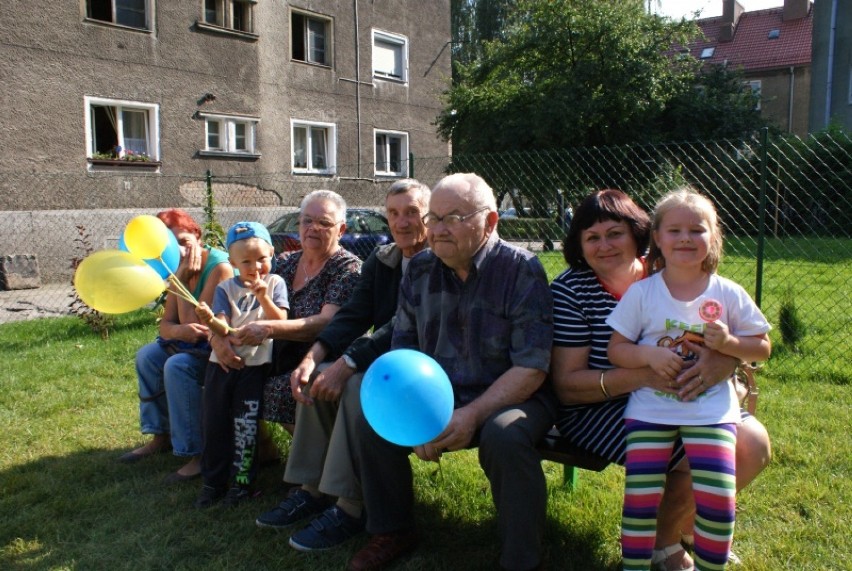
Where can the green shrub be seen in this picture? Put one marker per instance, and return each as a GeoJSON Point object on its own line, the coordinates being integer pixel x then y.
{"type": "Point", "coordinates": [529, 229]}
{"type": "Point", "coordinates": [791, 325]}
{"type": "Point", "coordinates": [100, 323]}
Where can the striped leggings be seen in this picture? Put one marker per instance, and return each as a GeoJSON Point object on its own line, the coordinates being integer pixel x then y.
{"type": "Point", "coordinates": [710, 450]}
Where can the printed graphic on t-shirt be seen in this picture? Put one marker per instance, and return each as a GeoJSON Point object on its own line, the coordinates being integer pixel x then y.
{"type": "Point", "coordinates": [692, 333]}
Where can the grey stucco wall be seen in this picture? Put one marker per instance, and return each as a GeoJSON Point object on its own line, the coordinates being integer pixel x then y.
{"type": "Point", "coordinates": [52, 57]}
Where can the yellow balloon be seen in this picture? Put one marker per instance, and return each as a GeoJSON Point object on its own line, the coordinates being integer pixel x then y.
{"type": "Point", "coordinates": [146, 236]}
{"type": "Point", "coordinates": [113, 281]}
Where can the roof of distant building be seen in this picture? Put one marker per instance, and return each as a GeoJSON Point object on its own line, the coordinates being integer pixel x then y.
{"type": "Point", "coordinates": [762, 41]}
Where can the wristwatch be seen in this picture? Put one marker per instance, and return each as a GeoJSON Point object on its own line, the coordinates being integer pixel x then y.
{"type": "Point", "coordinates": [350, 362]}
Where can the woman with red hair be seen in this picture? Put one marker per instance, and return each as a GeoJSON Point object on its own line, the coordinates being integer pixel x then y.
{"type": "Point", "coordinates": [171, 369]}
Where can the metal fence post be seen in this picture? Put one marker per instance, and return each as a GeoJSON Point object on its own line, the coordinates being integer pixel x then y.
{"type": "Point", "coordinates": [761, 213]}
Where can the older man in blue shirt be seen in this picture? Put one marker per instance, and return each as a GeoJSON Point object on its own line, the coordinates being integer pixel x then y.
{"type": "Point", "coordinates": [483, 310]}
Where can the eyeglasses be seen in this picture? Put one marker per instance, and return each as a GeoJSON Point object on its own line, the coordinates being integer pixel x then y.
{"type": "Point", "coordinates": [450, 220]}
{"type": "Point", "coordinates": [320, 223]}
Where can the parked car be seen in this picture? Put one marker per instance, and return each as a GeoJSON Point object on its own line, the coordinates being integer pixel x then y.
{"type": "Point", "coordinates": [513, 213]}
{"type": "Point", "coordinates": [365, 229]}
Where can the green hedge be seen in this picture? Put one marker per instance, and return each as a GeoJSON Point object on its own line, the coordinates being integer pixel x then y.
{"type": "Point", "coordinates": [529, 229]}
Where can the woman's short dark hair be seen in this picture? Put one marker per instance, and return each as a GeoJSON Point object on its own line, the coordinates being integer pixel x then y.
{"type": "Point", "coordinates": [607, 204]}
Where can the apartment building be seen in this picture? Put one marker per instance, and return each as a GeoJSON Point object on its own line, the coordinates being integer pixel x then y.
{"type": "Point", "coordinates": [314, 90]}
{"type": "Point", "coordinates": [772, 48]}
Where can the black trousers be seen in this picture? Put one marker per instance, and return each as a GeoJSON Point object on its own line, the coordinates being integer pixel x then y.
{"type": "Point", "coordinates": [507, 453]}
{"type": "Point", "coordinates": [231, 416]}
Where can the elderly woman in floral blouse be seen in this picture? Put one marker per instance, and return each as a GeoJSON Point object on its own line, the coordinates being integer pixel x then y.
{"type": "Point", "coordinates": [320, 279]}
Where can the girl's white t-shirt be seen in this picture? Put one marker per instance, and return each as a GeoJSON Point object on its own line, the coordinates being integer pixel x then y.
{"type": "Point", "coordinates": [649, 315]}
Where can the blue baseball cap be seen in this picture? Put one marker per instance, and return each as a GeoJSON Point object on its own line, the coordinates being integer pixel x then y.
{"type": "Point", "coordinates": [245, 230]}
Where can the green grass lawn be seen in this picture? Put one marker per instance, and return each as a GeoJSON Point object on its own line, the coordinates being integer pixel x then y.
{"type": "Point", "coordinates": [68, 409]}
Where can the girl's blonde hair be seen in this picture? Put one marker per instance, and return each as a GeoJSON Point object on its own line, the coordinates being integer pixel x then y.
{"type": "Point", "coordinates": [687, 197]}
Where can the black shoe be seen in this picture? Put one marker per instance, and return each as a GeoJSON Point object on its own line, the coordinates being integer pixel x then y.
{"type": "Point", "coordinates": [208, 496]}
{"type": "Point", "coordinates": [298, 506]}
{"type": "Point", "coordinates": [238, 495]}
{"type": "Point", "coordinates": [331, 528]}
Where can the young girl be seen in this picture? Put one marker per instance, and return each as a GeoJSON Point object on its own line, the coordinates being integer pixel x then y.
{"type": "Point", "coordinates": [684, 300]}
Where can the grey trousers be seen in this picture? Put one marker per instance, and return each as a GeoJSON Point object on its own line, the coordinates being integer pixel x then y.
{"type": "Point", "coordinates": [507, 453]}
{"type": "Point", "coordinates": [322, 440]}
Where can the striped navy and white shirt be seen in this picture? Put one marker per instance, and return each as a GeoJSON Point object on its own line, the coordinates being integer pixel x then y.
{"type": "Point", "coordinates": [580, 308]}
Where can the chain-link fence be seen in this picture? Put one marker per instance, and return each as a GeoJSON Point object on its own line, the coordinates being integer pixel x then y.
{"type": "Point", "coordinates": [785, 204]}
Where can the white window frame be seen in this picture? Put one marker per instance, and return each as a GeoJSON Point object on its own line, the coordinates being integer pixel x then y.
{"type": "Point", "coordinates": [228, 134]}
{"type": "Point", "coordinates": [330, 151]}
{"type": "Point", "coordinates": [153, 129]}
{"type": "Point", "coordinates": [708, 52]}
{"type": "Point", "coordinates": [225, 10]}
{"type": "Point", "coordinates": [384, 170]}
{"type": "Point", "coordinates": [149, 14]}
{"type": "Point", "coordinates": [756, 87]}
{"type": "Point", "coordinates": [325, 21]}
{"type": "Point", "coordinates": [397, 42]}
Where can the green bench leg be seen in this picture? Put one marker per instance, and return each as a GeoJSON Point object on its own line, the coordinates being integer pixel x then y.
{"type": "Point", "coordinates": [570, 477]}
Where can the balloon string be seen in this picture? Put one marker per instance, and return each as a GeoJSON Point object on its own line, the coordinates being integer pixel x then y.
{"type": "Point", "coordinates": [182, 293]}
{"type": "Point", "coordinates": [173, 279]}
{"type": "Point", "coordinates": [439, 471]}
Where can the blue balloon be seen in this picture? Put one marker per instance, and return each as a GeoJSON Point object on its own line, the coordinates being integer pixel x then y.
{"type": "Point", "coordinates": [171, 256]}
{"type": "Point", "coordinates": [407, 397]}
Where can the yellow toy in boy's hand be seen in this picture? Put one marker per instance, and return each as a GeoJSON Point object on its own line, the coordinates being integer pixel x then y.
{"type": "Point", "coordinates": [216, 325]}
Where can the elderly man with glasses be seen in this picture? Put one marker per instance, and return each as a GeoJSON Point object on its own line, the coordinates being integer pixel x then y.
{"type": "Point", "coordinates": [482, 308]}
{"type": "Point", "coordinates": [327, 394]}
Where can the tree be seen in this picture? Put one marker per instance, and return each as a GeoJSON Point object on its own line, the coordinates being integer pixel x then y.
{"type": "Point", "coordinates": [717, 106]}
{"type": "Point", "coordinates": [568, 73]}
{"type": "Point", "coordinates": [475, 22]}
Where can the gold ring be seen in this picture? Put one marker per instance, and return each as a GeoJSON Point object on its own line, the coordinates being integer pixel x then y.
{"type": "Point", "coordinates": [700, 381]}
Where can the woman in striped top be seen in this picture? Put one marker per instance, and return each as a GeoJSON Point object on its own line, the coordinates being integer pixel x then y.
{"type": "Point", "coordinates": [603, 248]}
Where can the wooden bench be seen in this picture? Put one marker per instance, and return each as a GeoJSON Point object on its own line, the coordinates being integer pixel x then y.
{"type": "Point", "coordinates": [556, 448]}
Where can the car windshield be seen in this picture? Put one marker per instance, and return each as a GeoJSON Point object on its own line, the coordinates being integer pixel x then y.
{"type": "Point", "coordinates": [287, 223]}
{"type": "Point", "coordinates": [356, 221]}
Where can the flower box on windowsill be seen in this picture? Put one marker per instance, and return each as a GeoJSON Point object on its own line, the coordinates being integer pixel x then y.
{"type": "Point", "coordinates": [124, 163]}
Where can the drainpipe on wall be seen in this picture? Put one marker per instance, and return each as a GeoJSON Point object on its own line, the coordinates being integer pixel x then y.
{"type": "Point", "coordinates": [790, 110]}
{"type": "Point", "coordinates": [830, 76]}
{"type": "Point", "coordinates": [357, 88]}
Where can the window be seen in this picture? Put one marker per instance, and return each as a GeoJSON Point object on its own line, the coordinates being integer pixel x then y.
{"type": "Point", "coordinates": [231, 14]}
{"type": "Point", "coordinates": [773, 34]}
{"type": "Point", "coordinates": [314, 146]}
{"type": "Point", "coordinates": [122, 130]}
{"type": "Point", "coordinates": [707, 53]}
{"type": "Point", "coordinates": [311, 38]}
{"type": "Point", "coordinates": [754, 85]}
{"type": "Point", "coordinates": [227, 134]}
{"type": "Point", "coordinates": [390, 56]}
{"type": "Point", "coordinates": [391, 153]}
{"type": "Point", "coordinates": [131, 13]}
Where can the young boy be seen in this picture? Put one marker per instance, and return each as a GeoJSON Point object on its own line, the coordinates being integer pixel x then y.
{"type": "Point", "coordinates": [232, 399]}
